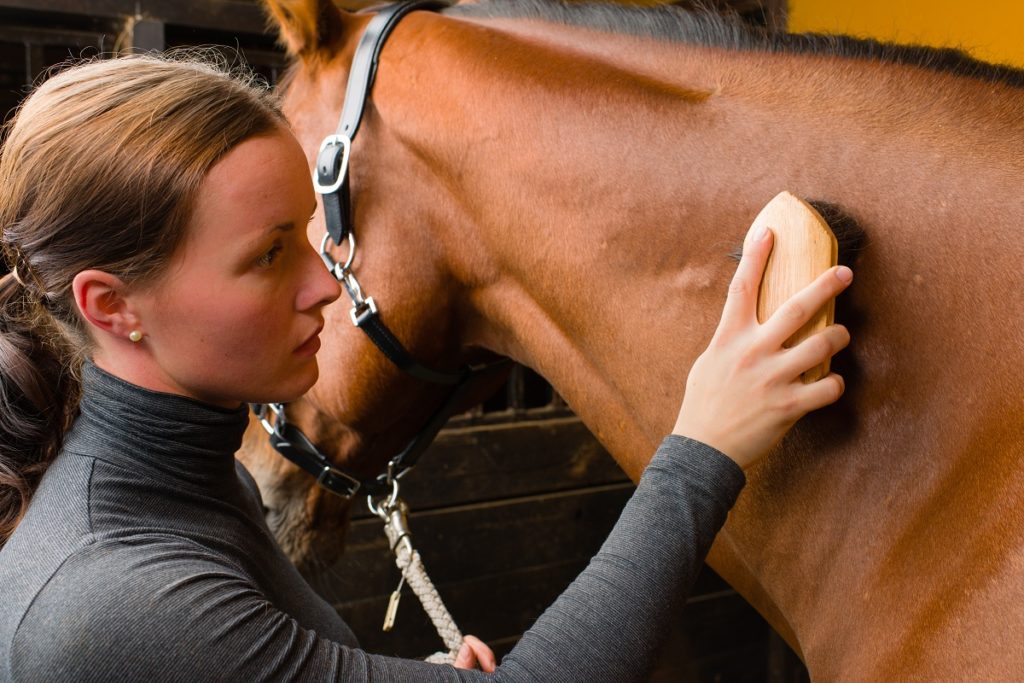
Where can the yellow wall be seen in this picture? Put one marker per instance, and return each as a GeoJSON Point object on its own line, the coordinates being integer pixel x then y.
{"type": "Point", "coordinates": [992, 30]}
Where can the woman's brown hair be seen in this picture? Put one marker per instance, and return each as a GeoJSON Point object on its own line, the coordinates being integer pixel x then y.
{"type": "Point", "coordinates": [99, 169]}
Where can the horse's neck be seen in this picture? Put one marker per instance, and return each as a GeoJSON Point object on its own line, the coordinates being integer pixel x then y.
{"type": "Point", "coordinates": [636, 192]}
{"type": "Point", "coordinates": [602, 226]}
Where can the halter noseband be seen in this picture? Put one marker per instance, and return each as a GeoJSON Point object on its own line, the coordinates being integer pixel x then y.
{"type": "Point", "coordinates": [331, 181]}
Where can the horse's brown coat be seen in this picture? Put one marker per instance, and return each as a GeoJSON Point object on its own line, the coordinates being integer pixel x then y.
{"type": "Point", "coordinates": [568, 198]}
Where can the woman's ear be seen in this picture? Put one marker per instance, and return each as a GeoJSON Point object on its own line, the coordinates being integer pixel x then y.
{"type": "Point", "coordinates": [100, 298]}
{"type": "Point", "coordinates": [306, 28]}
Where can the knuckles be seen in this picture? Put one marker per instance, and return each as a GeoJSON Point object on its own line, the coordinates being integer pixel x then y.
{"type": "Point", "coordinates": [788, 405]}
{"type": "Point", "coordinates": [793, 311]}
{"type": "Point", "coordinates": [739, 286]}
{"type": "Point", "coordinates": [822, 346]}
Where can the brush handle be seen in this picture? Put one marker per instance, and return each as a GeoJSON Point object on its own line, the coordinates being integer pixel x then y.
{"type": "Point", "coordinates": [804, 248]}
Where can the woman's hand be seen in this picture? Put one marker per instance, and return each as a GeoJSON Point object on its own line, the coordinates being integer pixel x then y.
{"type": "Point", "coordinates": [474, 654]}
{"type": "Point", "coordinates": [744, 392]}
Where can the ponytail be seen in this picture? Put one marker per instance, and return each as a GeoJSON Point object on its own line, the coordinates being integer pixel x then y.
{"type": "Point", "coordinates": [38, 397]}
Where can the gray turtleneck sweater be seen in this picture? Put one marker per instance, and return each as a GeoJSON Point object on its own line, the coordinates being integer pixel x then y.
{"type": "Point", "coordinates": [144, 556]}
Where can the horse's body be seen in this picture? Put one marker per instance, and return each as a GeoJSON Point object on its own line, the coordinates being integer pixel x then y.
{"type": "Point", "coordinates": [569, 197]}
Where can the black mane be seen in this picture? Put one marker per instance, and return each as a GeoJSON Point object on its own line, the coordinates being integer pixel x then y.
{"type": "Point", "coordinates": [713, 29]}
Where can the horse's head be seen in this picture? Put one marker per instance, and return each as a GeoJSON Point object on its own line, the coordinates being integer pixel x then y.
{"type": "Point", "coordinates": [363, 409]}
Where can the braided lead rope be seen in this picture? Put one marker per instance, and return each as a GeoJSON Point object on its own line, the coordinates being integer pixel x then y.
{"type": "Point", "coordinates": [409, 563]}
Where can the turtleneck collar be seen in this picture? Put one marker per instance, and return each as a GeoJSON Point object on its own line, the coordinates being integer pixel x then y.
{"type": "Point", "coordinates": [164, 434]}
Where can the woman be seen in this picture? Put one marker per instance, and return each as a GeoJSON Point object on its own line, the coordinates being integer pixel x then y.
{"type": "Point", "coordinates": [153, 221]}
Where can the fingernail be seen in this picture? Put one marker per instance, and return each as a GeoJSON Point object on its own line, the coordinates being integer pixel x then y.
{"type": "Point", "coordinates": [760, 233]}
{"type": "Point", "coordinates": [844, 274]}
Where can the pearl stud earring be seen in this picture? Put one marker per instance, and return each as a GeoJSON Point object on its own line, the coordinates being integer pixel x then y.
{"type": "Point", "coordinates": [135, 336]}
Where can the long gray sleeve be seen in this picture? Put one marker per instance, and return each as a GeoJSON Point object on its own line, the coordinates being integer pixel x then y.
{"type": "Point", "coordinates": [607, 625]}
{"type": "Point", "coordinates": [145, 557]}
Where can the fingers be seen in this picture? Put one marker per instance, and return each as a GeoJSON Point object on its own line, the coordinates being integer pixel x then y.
{"type": "Point", "coordinates": [741, 304]}
{"type": "Point", "coordinates": [813, 351]}
{"type": "Point", "coordinates": [473, 654]}
{"type": "Point", "coordinates": [825, 391]}
{"type": "Point", "coordinates": [802, 306]}
{"type": "Point", "coordinates": [466, 659]}
{"type": "Point", "coordinates": [484, 655]}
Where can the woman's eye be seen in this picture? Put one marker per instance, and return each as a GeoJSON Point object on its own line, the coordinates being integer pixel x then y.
{"type": "Point", "coordinates": [268, 257]}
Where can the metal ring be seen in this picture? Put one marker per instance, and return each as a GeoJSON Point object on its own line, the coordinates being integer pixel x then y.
{"type": "Point", "coordinates": [381, 510]}
{"type": "Point", "coordinates": [326, 255]}
{"type": "Point", "coordinates": [329, 261]}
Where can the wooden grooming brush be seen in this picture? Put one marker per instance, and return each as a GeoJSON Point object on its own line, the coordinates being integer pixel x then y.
{"type": "Point", "coordinates": [804, 248]}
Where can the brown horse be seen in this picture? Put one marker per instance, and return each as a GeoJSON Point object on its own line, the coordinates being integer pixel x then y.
{"type": "Point", "coordinates": [563, 186]}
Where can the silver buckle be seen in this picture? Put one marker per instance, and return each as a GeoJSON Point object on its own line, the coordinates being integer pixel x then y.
{"type": "Point", "coordinates": [346, 146]}
{"type": "Point", "coordinates": [323, 474]}
{"type": "Point", "coordinates": [354, 484]}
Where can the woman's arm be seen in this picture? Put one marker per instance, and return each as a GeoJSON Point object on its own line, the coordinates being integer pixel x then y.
{"type": "Point", "coordinates": [607, 626]}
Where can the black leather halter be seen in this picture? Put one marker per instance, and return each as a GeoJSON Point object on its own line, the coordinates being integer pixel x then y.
{"type": "Point", "coordinates": [331, 180]}
{"type": "Point", "coordinates": [332, 183]}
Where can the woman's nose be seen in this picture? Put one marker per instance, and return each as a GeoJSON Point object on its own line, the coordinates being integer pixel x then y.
{"type": "Point", "coordinates": [330, 288]}
{"type": "Point", "coordinates": [320, 287]}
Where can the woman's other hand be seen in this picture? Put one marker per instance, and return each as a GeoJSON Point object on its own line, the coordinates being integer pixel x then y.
{"type": "Point", "coordinates": [474, 654]}
{"type": "Point", "coordinates": [744, 392]}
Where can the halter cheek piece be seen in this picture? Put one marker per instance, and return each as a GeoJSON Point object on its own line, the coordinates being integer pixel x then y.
{"type": "Point", "coordinates": [331, 181]}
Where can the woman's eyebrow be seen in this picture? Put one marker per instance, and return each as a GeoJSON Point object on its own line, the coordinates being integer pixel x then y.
{"type": "Point", "coordinates": [290, 225]}
{"type": "Point", "coordinates": [283, 227]}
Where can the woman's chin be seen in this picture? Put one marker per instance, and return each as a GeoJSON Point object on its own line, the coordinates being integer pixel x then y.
{"type": "Point", "coordinates": [296, 385]}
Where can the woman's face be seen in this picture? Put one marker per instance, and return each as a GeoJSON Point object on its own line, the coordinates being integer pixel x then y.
{"type": "Point", "coordinates": [235, 316]}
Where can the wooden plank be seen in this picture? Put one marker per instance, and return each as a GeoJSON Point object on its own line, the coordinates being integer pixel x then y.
{"type": "Point", "coordinates": [474, 464]}
{"type": "Point", "coordinates": [235, 16]}
{"type": "Point", "coordinates": [35, 62]}
{"type": "Point", "coordinates": [496, 607]}
{"type": "Point", "coordinates": [500, 606]}
{"type": "Point", "coordinates": [722, 639]}
{"type": "Point", "coordinates": [94, 8]}
{"type": "Point", "coordinates": [717, 638]}
{"type": "Point", "coordinates": [483, 539]}
{"type": "Point", "coordinates": [46, 36]}
{"type": "Point", "coordinates": [239, 16]}
{"type": "Point", "coordinates": [147, 35]}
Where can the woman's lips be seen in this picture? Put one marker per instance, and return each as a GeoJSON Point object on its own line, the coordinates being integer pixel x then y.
{"type": "Point", "coordinates": [311, 345]}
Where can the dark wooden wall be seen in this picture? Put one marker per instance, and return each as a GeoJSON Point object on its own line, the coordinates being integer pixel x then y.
{"type": "Point", "coordinates": [513, 499]}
